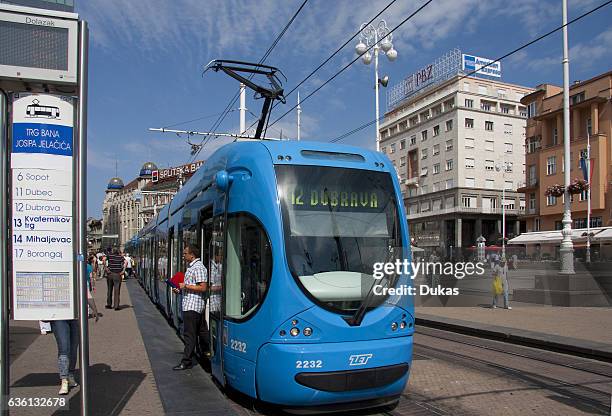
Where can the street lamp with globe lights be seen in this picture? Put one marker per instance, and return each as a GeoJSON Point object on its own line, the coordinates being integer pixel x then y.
{"type": "Point", "coordinates": [503, 167]}
{"type": "Point", "coordinates": [376, 37]}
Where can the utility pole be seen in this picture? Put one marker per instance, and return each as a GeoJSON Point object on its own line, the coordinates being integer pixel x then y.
{"type": "Point", "coordinates": [567, 246]}
{"type": "Point", "coordinates": [588, 195]}
{"type": "Point", "coordinates": [242, 108]}
{"type": "Point", "coordinates": [299, 112]}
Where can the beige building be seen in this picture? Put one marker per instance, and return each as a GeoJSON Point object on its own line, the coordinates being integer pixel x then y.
{"type": "Point", "coordinates": [121, 208]}
{"type": "Point", "coordinates": [449, 145]}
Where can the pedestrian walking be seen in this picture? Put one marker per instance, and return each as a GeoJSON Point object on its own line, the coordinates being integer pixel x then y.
{"type": "Point", "coordinates": [67, 337]}
{"type": "Point", "coordinates": [128, 265]}
{"type": "Point", "coordinates": [91, 264]}
{"type": "Point", "coordinates": [500, 283]}
{"type": "Point", "coordinates": [113, 279]}
{"type": "Point", "coordinates": [193, 290]}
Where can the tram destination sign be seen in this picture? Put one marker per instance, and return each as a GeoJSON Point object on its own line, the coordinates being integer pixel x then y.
{"type": "Point", "coordinates": [42, 201]}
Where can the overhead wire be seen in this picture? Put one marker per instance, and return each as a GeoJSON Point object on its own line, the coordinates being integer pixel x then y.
{"type": "Point", "coordinates": [352, 62]}
{"type": "Point", "coordinates": [539, 38]}
{"type": "Point", "coordinates": [235, 97]}
{"type": "Point", "coordinates": [314, 71]}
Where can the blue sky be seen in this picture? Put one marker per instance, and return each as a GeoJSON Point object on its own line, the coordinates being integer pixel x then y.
{"type": "Point", "coordinates": [146, 60]}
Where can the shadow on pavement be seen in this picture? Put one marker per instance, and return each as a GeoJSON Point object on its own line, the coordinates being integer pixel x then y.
{"type": "Point", "coordinates": [109, 391]}
{"type": "Point", "coordinates": [20, 339]}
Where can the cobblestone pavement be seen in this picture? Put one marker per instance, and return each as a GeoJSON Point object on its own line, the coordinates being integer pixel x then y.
{"type": "Point", "coordinates": [121, 381]}
{"type": "Point", "coordinates": [459, 379]}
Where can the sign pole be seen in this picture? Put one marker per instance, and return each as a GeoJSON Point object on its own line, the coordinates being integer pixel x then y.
{"type": "Point", "coordinates": [4, 316]}
{"type": "Point", "coordinates": [81, 203]}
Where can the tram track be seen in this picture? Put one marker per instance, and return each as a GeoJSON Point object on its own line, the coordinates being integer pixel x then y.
{"type": "Point", "coordinates": [557, 373]}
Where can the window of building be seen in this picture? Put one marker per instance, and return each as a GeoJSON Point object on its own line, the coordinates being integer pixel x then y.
{"type": "Point", "coordinates": [469, 201]}
{"type": "Point", "coordinates": [533, 144]}
{"type": "Point", "coordinates": [501, 93]}
{"type": "Point", "coordinates": [435, 187]}
{"type": "Point", "coordinates": [482, 89]}
{"type": "Point", "coordinates": [402, 144]}
{"type": "Point", "coordinates": [436, 168]}
{"type": "Point", "coordinates": [413, 139]}
{"type": "Point", "coordinates": [424, 116]}
{"type": "Point", "coordinates": [508, 129]}
{"type": "Point", "coordinates": [436, 149]}
{"type": "Point", "coordinates": [424, 189]}
{"type": "Point", "coordinates": [510, 204]}
{"type": "Point", "coordinates": [531, 110]}
{"type": "Point", "coordinates": [424, 135]}
{"type": "Point", "coordinates": [470, 182]}
{"type": "Point", "coordinates": [449, 144]}
{"type": "Point", "coordinates": [403, 161]}
{"type": "Point", "coordinates": [469, 163]}
{"type": "Point", "coordinates": [577, 98]}
{"type": "Point", "coordinates": [532, 179]}
{"type": "Point", "coordinates": [489, 145]}
{"type": "Point", "coordinates": [469, 123]}
{"type": "Point", "coordinates": [425, 205]}
{"type": "Point", "coordinates": [508, 147]}
{"type": "Point", "coordinates": [437, 204]}
{"type": "Point", "coordinates": [392, 148]}
{"type": "Point", "coordinates": [485, 105]}
{"type": "Point", "coordinates": [424, 171]}
{"type": "Point", "coordinates": [469, 143]}
{"type": "Point", "coordinates": [383, 149]}
{"type": "Point", "coordinates": [488, 125]}
{"type": "Point", "coordinates": [449, 184]}
{"type": "Point", "coordinates": [384, 134]}
{"type": "Point", "coordinates": [509, 185]}
{"type": "Point", "coordinates": [403, 125]}
{"type": "Point", "coordinates": [536, 224]}
{"type": "Point", "coordinates": [505, 109]}
{"type": "Point", "coordinates": [392, 130]}
{"type": "Point", "coordinates": [583, 196]}
{"type": "Point", "coordinates": [449, 104]}
{"type": "Point", "coordinates": [551, 165]}
{"type": "Point", "coordinates": [403, 177]}
{"type": "Point", "coordinates": [414, 121]}
{"type": "Point", "coordinates": [489, 183]}
{"type": "Point", "coordinates": [424, 153]}
{"type": "Point", "coordinates": [551, 200]}
{"type": "Point", "coordinates": [589, 127]}
{"type": "Point", "coordinates": [466, 86]}
{"type": "Point", "coordinates": [449, 125]}
{"type": "Point", "coordinates": [437, 110]}
{"type": "Point", "coordinates": [436, 131]}
{"type": "Point", "coordinates": [449, 164]}
{"type": "Point", "coordinates": [489, 164]}
{"type": "Point", "coordinates": [596, 222]}
{"type": "Point", "coordinates": [469, 103]}
{"type": "Point", "coordinates": [555, 136]}
{"type": "Point", "coordinates": [532, 201]}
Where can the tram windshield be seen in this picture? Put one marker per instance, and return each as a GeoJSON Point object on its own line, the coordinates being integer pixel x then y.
{"type": "Point", "coordinates": [337, 223]}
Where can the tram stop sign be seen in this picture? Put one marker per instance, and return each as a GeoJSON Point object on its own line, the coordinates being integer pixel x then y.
{"type": "Point", "coordinates": [42, 203]}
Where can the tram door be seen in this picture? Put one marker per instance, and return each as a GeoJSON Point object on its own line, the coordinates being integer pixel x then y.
{"type": "Point", "coordinates": [218, 335]}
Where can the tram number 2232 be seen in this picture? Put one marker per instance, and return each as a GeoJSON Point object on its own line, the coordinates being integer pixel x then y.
{"type": "Point", "coordinates": [309, 364]}
{"type": "Point", "coordinates": [238, 345]}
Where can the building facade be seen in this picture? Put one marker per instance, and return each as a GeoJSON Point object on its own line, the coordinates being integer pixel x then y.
{"type": "Point", "coordinates": [449, 146]}
{"type": "Point", "coordinates": [94, 235]}
{"type": "Point", "coordinates": [127, 208]}
{"type": "Point", "coordinates": [590, 114]}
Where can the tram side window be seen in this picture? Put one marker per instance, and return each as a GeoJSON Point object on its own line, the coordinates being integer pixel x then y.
{"type": "Point", "coordinates": [249, 266]}
{"type": "Point", "coordinates": [215, 271]}
{"type": "Point", "coordinates": [175, 253]}
{"type": "Point", "coordinates": [162, 259]}
{"type": "Point", "coordinates": [190, 236]}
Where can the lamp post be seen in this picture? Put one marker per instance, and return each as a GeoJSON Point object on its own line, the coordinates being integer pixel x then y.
{"type": "Point", "coordinates": [567, 246]}
{"type": "Point", "coordinates": [503, 167]}
{"type": "Point", "coordinates": [376, 37]}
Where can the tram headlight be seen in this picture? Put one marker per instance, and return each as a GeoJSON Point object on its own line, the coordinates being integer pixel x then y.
{"type": "Point", "coordinates": [282, 333]}
{"type": "Point", "coordinates": [307, 332]}
{"type": "Point", "coordinates": [402, 324]}
{"type": "Point", "coordinates": [394, 326]}
{"type": "Point", "coordinates": [294, 332]}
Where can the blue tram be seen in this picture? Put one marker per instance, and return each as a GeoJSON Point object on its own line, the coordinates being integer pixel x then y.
{"type": "Point", "coordinates": [293, 230]}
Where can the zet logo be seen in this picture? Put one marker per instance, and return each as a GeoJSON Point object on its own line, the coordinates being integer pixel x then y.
{"type": "Point", "coordinates": [359, 359]}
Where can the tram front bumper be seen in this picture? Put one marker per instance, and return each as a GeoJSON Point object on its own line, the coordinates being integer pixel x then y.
{"type": "Point", "coordinates": [327, 373]}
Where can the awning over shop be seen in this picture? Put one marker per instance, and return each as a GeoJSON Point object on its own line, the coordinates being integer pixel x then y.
{"type": "Point", "coordinates": [416, 249]}
{"type": "Point", "coordinates": [605, 235]}
{"type": "Point", "coordinates": [555, 237]}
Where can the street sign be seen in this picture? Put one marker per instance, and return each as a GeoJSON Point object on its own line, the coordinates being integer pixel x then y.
{"type": "Point", "coordinates": [42, 203]}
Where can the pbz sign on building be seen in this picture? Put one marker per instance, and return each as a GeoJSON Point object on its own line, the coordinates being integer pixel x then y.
{"type": "Point", "coordinates": [42, 201]}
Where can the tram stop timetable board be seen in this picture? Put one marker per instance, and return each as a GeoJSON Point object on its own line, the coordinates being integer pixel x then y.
{"type": "Point", "coordinates": [42, 200]}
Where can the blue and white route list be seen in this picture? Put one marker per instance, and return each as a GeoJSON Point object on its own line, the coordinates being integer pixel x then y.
{"type": "Point", "coordinates": [42, 207]}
